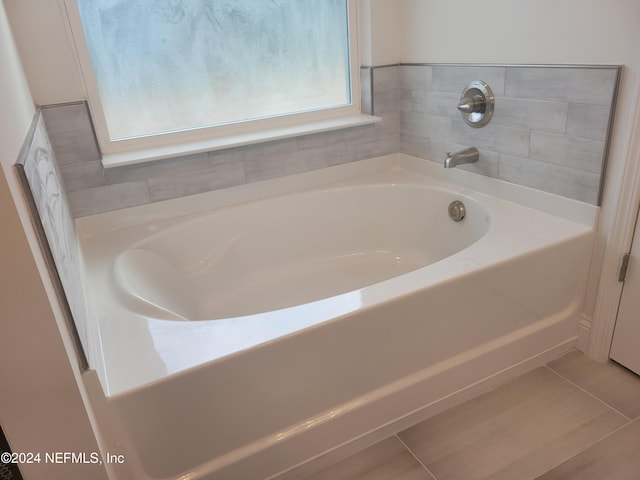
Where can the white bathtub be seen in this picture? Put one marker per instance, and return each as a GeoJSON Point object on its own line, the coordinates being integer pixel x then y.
{"type": "Point", "coordinates": [242, 332]}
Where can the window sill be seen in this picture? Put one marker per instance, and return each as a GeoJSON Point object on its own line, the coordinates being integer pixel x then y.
{"type": "Point", "coordinates": [112, 160]}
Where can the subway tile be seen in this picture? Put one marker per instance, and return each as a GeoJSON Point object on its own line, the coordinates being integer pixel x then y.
{"type": "Point", "coordinates": [385, 460]}
{"type": "Point", "coordinates": [497, 138]}
{"type": "Point", "coordinates": [82, 176]}
{"type": "Point", "coordinates": [390, 124]}
{"type": "Point", "coordinates": [519, 430]}
{"type": "Point", "coordinates": [440, 128]}
{"type": "Point", "coordinates": [308, 159]}
{"type": "Point", "coordinates": [531, 114]}
{"type": "Point", "coordinates": [588, 121]}
{"type": "Point", "coordinates": [573, 152]}
{"type": "Point", "coordinates": [568, 182]}
{"type": "Point", "coordinates": [354, 149]}
{"type": "Point", "coordinates": [366, 133]}
{"type": "Point", "coordinates": [418, 146]}
{"type": "Point", "coordinates": [415, 77]}
{"type": "Point", "coordinates": [270, 160]}
{"type": "Point", "coordinates": [386, 102]}
{"type": "Point", "coordinates": [436, 103]}
{"type": "Point", "coordinates": [449, 78]}
{"type": "Point", "coordinates": [341, 153]}
{"type": "Point", "coordinates": [76, 149]}
{"type": "Point", "coordinates": [614, 385]}
{"type": "Point", "coordinates": [405, 102]}
{"type": "Point", "coordinates": [263, 168]}
{"type": "Point", "coordinates": [386, 90]}
{"type": "Point", "coordinates": [421, 124]}
{"type": "Point", "coordinates": [414, 124]}
{"type": "Point", "coordinates": [108, 197]}
{"type": "Point", "coordinates": [315, 140]}
{"type": "Point", "coordinates": [68, 120]}
{"type": "Point", "coordinates": [384, 144]}
{"type": "Point", "coordinates": [219, 174]}
{"type": "Point", "coordinates": [580, 85]}
{"type": "Point", "coordinates": [386, 79]}
{"type": "Point", "coordinates": [158, 168]}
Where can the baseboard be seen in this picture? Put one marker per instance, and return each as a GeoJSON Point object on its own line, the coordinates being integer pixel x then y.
{"type": "Point", "coordinates": [584, 333]}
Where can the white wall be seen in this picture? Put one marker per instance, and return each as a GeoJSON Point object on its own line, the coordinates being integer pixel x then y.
{"type": "Point", "coordinates": [526, 31]}
{"type": "Point", "coordinates": [41, 404]}
{"type": "Point", "coordinates": [44, 44]}
{"type": "Point", "coordinates": [386, 31]}
{"type": "Point", "coordinates": [17, 105]}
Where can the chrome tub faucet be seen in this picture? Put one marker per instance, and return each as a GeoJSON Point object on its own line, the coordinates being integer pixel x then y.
{"type": "Point", "coordinates": [467, 155]}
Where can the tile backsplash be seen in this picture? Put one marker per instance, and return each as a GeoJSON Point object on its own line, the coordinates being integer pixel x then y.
{"type": "Point", "coordinates": [549, 131]}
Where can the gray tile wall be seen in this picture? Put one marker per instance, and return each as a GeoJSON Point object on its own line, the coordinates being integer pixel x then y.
{"type": "Point", "coordinates": [549, 132]}
{"type": "Point", "coordinates": [549, 129]}
{"type": "Point", "coordinates": [92, 189]}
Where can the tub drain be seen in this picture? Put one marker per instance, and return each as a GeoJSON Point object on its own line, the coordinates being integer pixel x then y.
{"type": "Point", "coordinates": [456, 210]}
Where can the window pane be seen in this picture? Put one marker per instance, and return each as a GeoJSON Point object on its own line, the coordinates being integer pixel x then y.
{"type": "Point", "coordinates": [169, 65]}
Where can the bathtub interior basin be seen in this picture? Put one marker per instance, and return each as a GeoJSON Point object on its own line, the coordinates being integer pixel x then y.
{"type": "Point", "coordinates": [276, 253]}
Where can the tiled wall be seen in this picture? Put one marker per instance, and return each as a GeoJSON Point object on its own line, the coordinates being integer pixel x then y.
{"type": "Point", "coordinates": [92, 189]}
{"type": "Point", "coordinates": [549, 132]}
{"type": "Point", "coordinates": [38, 160]}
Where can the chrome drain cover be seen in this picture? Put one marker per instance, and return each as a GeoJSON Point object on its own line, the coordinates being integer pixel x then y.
{"type": "Point", "coordinates": [457, 210]}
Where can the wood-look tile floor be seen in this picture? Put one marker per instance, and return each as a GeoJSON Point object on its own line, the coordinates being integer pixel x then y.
{"type": "Point", "coordinates": [573, 419]}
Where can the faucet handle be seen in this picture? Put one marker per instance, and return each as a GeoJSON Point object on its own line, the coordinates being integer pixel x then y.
{"type": "Point", "coordinates": [472, 105]}
{"type": "Point", "coordinates": [476, 104]}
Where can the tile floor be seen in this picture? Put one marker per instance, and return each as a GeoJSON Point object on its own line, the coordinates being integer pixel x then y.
{"type": "Point", "coordinates": [573, 419]}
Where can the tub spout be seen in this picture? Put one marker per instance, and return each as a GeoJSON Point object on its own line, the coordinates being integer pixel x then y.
{"type": "Point", "coordinates": [468, 155]}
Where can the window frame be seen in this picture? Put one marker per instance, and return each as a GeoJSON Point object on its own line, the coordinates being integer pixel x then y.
{"type": "Point", "coordinates": [162, 145]}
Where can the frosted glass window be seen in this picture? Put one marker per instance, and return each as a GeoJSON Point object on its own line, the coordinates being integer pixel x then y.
{"type": "Point", "coordinates": [172, 65]}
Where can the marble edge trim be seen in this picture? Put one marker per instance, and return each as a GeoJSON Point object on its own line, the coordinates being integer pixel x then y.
{"type": "Point", "coordinates": [48, 258]}
{"type": "Point", "coordinates": [609, 134]}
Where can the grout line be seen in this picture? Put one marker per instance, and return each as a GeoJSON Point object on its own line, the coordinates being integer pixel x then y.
{"type": "Point", "coordinates": [590, 394]}
{"type": "Point", "coordinates": [602, 439]}
{"type": "Point", "coordinates": [414, 456]}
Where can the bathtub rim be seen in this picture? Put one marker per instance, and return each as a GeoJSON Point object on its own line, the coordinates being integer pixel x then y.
{"type": "Point", "coordinates": [556, 205]}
